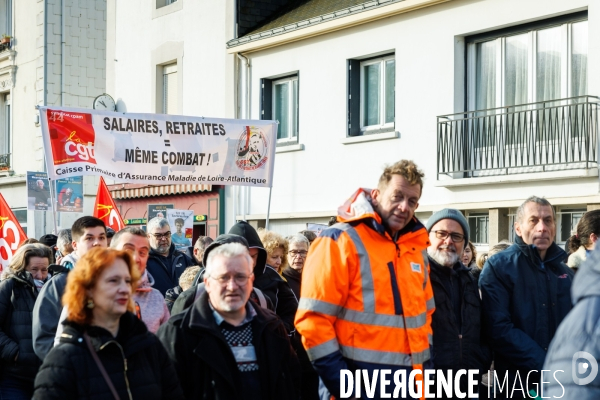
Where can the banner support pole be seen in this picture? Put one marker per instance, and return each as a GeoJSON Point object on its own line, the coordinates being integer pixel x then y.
{"type": "Point", "coordinates": [53, 202]}
{"type": "Point", "coordinates": [268, 209]}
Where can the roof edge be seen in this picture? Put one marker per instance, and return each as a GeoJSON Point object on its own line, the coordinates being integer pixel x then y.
{"type": "Point", "coordinates": [325, 23]}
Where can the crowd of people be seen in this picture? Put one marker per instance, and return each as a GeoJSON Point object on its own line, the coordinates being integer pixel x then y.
{"type": "Point", "coordinates": [91, 313]}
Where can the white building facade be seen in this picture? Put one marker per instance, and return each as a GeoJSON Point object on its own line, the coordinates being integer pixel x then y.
{"type": "Point", "coordinates": [56, 56]}
{"type": "Point", "coordinates": [357, 85]}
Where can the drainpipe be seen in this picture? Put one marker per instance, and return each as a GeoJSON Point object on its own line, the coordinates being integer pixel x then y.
{"type": "Point", "coordinates": [62, 52]}
{"type": "Point", "coordinates": [246, 115]}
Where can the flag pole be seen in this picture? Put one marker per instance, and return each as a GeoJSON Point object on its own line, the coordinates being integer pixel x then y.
{"type": "Point", "coordinates": [53, 203]}
{"type": "Point", "coordinates": [268, 209]}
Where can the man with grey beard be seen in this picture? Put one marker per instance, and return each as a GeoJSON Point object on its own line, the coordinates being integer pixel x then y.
{"type": "Point", "coordinates": [456, 321]}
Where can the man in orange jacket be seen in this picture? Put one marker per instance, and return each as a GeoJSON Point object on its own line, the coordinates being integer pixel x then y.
{"type": "Point", "coordinates": [366, 299]}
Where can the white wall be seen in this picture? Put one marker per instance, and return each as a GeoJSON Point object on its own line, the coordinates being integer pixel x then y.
{"type": "Point", "coordinates": [84, 79]}
{"type": "Point", "coordinates": [322, 176]}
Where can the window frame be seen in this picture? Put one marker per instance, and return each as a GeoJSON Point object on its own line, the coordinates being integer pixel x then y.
{"type": "Point", "coordinates": [572, 211]}
{"type": "Point", "coordinates": [288, 80]}
{"type": "Point", "coordinates": [165, 81]}
{"type": "Point", "coordinates": [564, 22]}
{"type": "Point", "coordinates": [477, 216]}
{"type": "Point", "coordinates": [267, 101]}
{"type": "Point", "coordinates": [382, 126]}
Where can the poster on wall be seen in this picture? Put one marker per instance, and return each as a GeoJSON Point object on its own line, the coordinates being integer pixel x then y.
{"type": "Point", "coordinates": [158, 210]}
{"type": "Point", "coordinates": [158, 149]}
{"type": "Point", "coordinates": [69, 194]}
{"type": "Point", "coordinates": [38, 191]}
{"type": "Point", "coordinates": [182, 227]}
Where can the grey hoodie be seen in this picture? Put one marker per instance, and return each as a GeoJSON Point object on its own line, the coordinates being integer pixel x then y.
{"type": "Point", "coordinates": [152, 303]}
{"type": "Point", "coordinates": [577, 341]}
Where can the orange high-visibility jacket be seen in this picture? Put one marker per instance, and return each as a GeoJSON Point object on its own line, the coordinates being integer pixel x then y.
{"type": "Point", "coordinates": [364, 295]}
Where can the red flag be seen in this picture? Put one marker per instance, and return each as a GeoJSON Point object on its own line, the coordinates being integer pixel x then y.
{"type": "Point", "coordinates": [106, 209]}
{"type": "Point", "coordinates": [11, 234]}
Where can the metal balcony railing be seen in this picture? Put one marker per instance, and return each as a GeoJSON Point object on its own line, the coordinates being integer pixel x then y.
{"type": "Point", "coordinates": [545, 136]}
{"type": "Point", "coordinates": [4, 162]}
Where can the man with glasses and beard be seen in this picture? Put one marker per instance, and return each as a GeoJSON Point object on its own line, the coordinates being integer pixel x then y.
{"type": "Point", "coordinates": [165, 263]}
{"type": "Point", "coordinates": [456, 321]}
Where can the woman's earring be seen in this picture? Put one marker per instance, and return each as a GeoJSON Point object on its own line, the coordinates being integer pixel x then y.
{"type": "Point", "coordinates": [90, 303]}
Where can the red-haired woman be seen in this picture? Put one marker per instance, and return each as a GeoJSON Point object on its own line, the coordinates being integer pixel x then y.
{"type": "Point", "coordinates": [105, 351]}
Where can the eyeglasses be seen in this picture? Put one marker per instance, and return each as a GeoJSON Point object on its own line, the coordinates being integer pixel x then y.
{"type": "Point", "coordinates": [443, 235]}
{"type": "Point", "coordinates": [159, 236]}
{"type": "Point", "coordinates": [298, 253]}
{"type": "Point", "coordinates": [239, 280]}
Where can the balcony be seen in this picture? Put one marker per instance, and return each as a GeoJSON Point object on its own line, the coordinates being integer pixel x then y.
{"type": "Point", "coordinates": [552, 135]}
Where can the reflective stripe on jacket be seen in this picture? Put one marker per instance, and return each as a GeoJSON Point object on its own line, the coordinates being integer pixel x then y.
{"type": "Point", "coordinates": [366, 295]}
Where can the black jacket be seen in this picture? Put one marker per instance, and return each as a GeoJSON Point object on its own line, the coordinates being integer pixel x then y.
{"type": "Point", "coordinates": [457, 342]}
{"type": "Point", "coordinates": [205, 363]}
{"type": "Point", "coordinates": [17, 298]}
{"type": "Point", "coordinates": [267, 279]}
{"type": "Point", "coordinates": [135, 359]}
{"type": "Point", "coordinates": [577, 333]}
{"type": "Point", "coordinates": [294, 279]}
{"type": "Point", "coordinates": [167, 270]}
{"type": "Point", "coordinates": [524, 300]}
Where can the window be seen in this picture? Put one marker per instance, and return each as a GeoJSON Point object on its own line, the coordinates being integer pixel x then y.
{"type": "Point", "coordinates": [566, 223]}
{"type": "Point", "coordinates": [6, 20]}
{"type": "Point", "coordinates": [478, 228]}
{"type": "Point", "coordinates": [529, 64]}
{"type": "Point", "coordinates": [5, 131]}
{"type": "Point", "coordinates": [279, 101]}
{"type": "Point", "coordinates": [21, 215]}
{"type": "Point", "coordinates": [162, 3]}
{"type": "Point", "coordinates": [170, 89]}
{"type": "Point", "coordinates": [371, 95]}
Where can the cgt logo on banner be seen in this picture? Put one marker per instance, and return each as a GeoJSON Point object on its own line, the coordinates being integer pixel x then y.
{"type": "Point", "coordinates": [11, 234]}
{"type": "Point", "coordinates": [72, 137]}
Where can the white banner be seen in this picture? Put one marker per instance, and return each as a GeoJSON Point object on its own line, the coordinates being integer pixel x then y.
{"type": "Point", "coordinates": [158, 149]}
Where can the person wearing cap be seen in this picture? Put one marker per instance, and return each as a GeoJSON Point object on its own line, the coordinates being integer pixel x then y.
{"type": "Point", "coordinates": [110, 232]}
{"type": "Point", "coordinates": [456, 323]}
{"type": "Point", "coordinates": [50, 241]}
{"type": "Point", "coordinates": [526, 293]}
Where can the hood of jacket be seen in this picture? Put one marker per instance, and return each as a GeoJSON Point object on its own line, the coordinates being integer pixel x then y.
{"type": "Point", "coordinates": [359, 208]}
{"type": "Point", "coordinates": [221, 240]}
{"type": "Point", "coordinates": [587, 278]}
{"type": "Point", "coordinates": [71, 258]}
{"type": "Point", "coordinates": [23, 277]}
{"type": "Point", "coordinates": [146, 282]}
{"type": "Point", "coordinates": [246, 231]}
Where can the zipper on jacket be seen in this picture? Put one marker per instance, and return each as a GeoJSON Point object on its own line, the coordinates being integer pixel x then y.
{"type": "Point", "coordinates": [124, 364]}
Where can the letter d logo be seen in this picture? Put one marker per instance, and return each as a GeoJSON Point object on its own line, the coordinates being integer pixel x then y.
{"type": "Point", "coordinates": [579, 368]}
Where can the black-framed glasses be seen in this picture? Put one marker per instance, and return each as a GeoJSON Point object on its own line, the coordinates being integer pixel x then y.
{"type": "Point", "coordinates": [298, 253]}
{"type": "Point", "coordinates": [443, 235]}
{"type": "Point", "coordinates": [159, 236]}
{"type": "Point", "coordinates": [239, 279]}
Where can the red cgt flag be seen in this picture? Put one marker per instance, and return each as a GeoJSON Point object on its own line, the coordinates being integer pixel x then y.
{"type": "Point", "coordinates": [106, 209]}
{"type": "Point", "coordinates": [11, 234]}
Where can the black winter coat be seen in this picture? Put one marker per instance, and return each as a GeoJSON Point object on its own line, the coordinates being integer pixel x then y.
{"type": "Point", "coordinates": [167, 270]}
{"type": "Point", "coordinates": [205, 363]}
{"type": "Point", "coordinates": [457, 347]}
{"type": "Point", "coordinates": [294, 279]}
{"type": "Point", "coordinates": [524, 300]}
{"type": "Point", "coordinates": [17, 298]}
{"type": "Point", "coordinates": [577, 333]}
{"type": "Point", "coordinates": [135, 361]}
